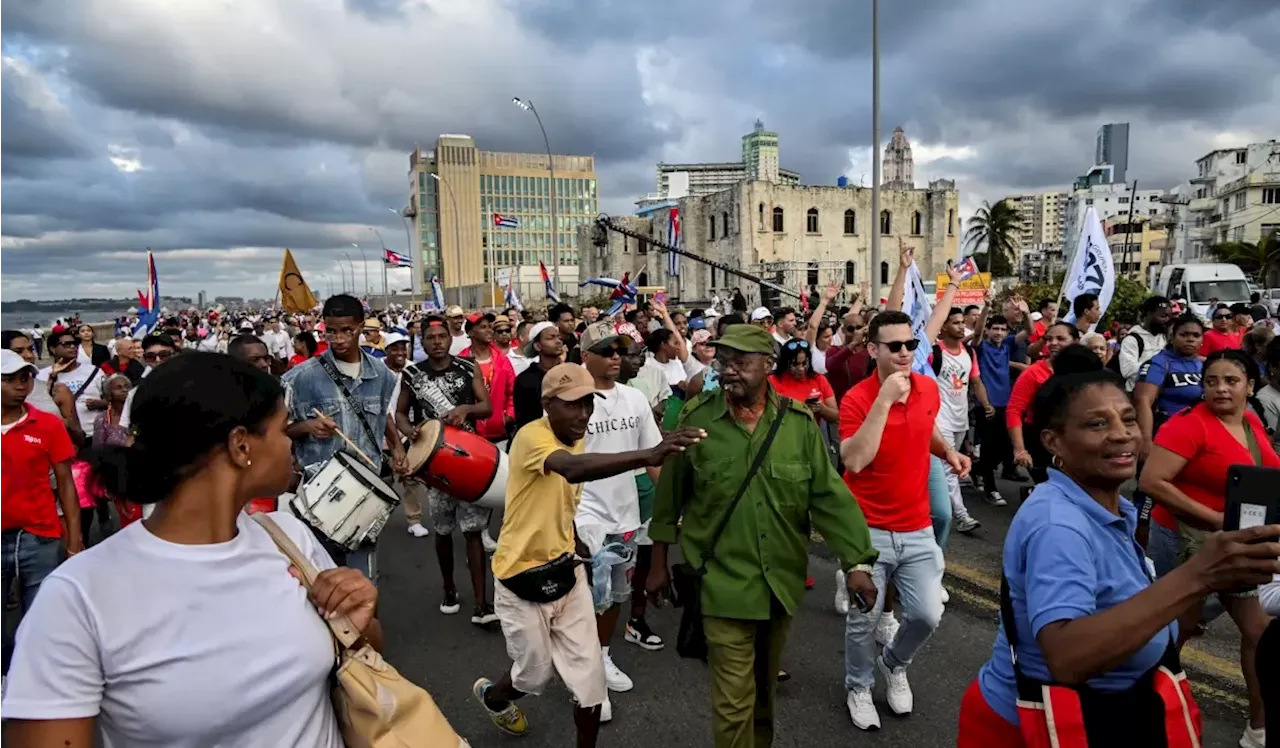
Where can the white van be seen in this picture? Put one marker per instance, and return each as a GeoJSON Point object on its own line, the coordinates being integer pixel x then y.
{"type": "Point", "coordinates": [1200, 282]}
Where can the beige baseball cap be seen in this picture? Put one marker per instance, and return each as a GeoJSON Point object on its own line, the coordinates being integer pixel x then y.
{"type": "Point", "coordinates": [568, 382]}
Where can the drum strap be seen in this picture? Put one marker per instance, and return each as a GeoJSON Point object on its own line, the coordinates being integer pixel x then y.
{"type": "Point", "coordinates": [358, 411]}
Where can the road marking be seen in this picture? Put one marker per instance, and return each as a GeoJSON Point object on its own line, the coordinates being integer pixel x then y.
{"type": "Point", "coordinates": [1218, 667]}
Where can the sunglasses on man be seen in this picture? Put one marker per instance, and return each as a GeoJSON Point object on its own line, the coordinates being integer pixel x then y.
{"type": "Point", "coordinates": [896, 346]}
{"type": "Point", "coordinates": [154, 356]}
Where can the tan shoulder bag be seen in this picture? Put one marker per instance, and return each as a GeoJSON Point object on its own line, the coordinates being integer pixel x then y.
{"type": "Point", "coordinates": [377, 707]}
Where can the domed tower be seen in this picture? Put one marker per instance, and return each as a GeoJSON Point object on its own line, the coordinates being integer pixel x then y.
{"type": "Point", "coordinates": [898, 169]}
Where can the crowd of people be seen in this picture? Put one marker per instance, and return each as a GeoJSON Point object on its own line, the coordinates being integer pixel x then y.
{"type": "Point", "coordinates": [730, 433]}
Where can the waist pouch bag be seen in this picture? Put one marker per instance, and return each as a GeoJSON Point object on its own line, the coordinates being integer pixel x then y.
{"type": "Point", "coordinates": [546, 583]}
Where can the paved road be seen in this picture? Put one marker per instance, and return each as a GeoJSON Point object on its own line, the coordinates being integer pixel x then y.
{"type": "Point", "coordinates": [671, 703]}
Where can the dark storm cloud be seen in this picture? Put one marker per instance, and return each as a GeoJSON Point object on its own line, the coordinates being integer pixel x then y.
{"type": "Point", "coordinates": [246, 126]}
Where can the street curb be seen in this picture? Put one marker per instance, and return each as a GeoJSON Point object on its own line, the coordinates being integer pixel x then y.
{"type": "Point", "coordinates": [1214, 676]}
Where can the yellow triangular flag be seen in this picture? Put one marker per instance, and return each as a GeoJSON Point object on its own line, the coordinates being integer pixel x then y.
{"type": "Point", "coordinates": [295, 296]}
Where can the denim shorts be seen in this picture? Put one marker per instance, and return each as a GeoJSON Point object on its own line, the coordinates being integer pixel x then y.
{"type": "Point", "coordinates": [617, 590]}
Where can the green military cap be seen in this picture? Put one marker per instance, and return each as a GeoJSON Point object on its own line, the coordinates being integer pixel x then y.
{"type": "Point", "coordinates": [747, 339]}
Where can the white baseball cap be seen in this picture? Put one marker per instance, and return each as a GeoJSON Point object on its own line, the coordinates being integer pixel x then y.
{"type": "Point", "coordinates": [12, 363]}
{"type": "Point", "coordinates": [761, 313]}
{"type": "Point", "coordinates": [392, 338]}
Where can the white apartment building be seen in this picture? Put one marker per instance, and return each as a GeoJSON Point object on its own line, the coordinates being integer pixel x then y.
{"type": "Point", "coordinates": [1234, 197]}
{"type": "Point", "coordinates": [1109, 200]}
{"type": "Point", "coordinates": [1042, 217]}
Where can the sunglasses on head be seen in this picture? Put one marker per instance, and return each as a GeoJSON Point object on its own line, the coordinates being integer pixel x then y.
{"type": "Point", "coordinates": [897, 345]}
{"type": "Point", "coordinates": [794, 344]}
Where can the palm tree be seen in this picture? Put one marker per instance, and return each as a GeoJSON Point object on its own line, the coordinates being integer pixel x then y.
{"type": "Point", "coordinates": [1261, 257]}
{"type": "Point", "coordinates": [996, 227]}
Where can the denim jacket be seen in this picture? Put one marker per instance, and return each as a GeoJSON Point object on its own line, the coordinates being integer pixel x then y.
{"type": "Point", "coordinates": [308, 387]}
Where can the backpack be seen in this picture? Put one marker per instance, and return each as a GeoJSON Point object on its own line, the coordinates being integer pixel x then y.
{"type": "Point", "coordinates": [1114, 363]}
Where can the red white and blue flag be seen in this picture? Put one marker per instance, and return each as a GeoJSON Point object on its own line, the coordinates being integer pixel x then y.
{"type": "Point", "coordinates": [505, 222]}
{"type": "Point", "coordinates": [968, 268]}
{"type": "Point", "coordinates": [512, 300]}
{"type": "Point", "coordinates": [395, 260]}
{"type": "Point", "coordinates": [673, 239]}
{"type": "Point", "coordinates": [149, 300]}
{"type": "Point", "coordinates": [547, 284]}
{"type": "Point", "coordinates": [623, 293]}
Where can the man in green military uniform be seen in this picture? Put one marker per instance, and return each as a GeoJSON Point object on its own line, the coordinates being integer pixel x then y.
{"type": "Point", "coordinates": [755, 582]}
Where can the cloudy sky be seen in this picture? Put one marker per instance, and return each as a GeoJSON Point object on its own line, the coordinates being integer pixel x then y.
{"type": "Point", "coordinates": [218, 132]}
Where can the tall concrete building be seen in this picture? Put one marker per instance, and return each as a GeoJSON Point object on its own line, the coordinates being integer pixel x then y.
{"type": "Point", "coordinates": [1113, 149]}
{"type": "Point", "coordinates": [457, 238]}
{"type": "Point", "coordinates": [898, 168]}
{"type": "Point", "coordinates": [760, 154]}
{"type": "Point", "coordinates": [1041, 217]}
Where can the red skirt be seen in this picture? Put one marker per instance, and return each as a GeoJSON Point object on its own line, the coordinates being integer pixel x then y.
{"type": "Point", "coordinates": [982, 727]}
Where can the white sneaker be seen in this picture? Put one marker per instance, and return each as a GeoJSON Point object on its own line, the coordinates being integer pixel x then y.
{"type": "Point", "coordinates": [886, 629]}
{"type": "Point", "coordinates": [862, 710]}
{"type": "Point", "coordinates": [898, 693]}
{"type": "Point", "coordinates": [965, 524]}
{"type": "Point", "coordinates": [946, 596]}
{"type": "Point", "coordinates": [418, 531]}
{"type": "Point", "coordinates": [490, 545]}
{"type": "Point", "coordinates": [1253, 737]}
{"type": "Point", "coordinates": [614, 678]}
{"type": "Point", "coordinates": [606, 710]}
{"type": "Point", "coordinates": [842, 593]}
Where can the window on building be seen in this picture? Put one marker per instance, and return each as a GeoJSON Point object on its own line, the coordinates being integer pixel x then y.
{"type": "Point", "coordinates": [811, 274]}
{"type": "Point", "coordinates": [1267, 229]}
{"type": "Point", "coordinates": [778, 225]}
{"type": "Point", "coordinates": [951, 221]}
{"type": "Point", "coordinates": [1271, 196]}
{"type": "Point", "coordinates": [1226, 207]}
{"type": "Point", "coordinates": [884, 272]}
{"type": "Point", "coordinates": [917, 223]}
{"type": "Point", "coordinates": [1241, 156]}
{"type": "Point", "coordinates": [850, 273]}
{"type": "Point", "coordinates": [1240, 200]}
{"type": "Point", "coordinates": [811, 221]}
{"type": "Point", "coordinates": [1237, 234]}
{"type": "Point", "coordinates": [1151, 211]}
{"type": "Point", "coordinates": [1124, 200]}
{"type": "Point", "coordinates": [886, 223]}
{"type": "Point", "coordinates": [643, 249]}
{"type": "Point", "coordinates": [850, 222]}
{"type": "Point", "coordinates": [724, 225]}
{"type": "Point", "coordinates": [711, 222]}
{"type": "Point", "coordinates": [760, 227]}
{"type": "Point", "coordinates": [713, 276]}
{"type": "Point", "coordinates": [1088, 201]}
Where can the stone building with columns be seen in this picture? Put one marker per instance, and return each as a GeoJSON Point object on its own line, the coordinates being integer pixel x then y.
{"type": "Point", "coordinates": [794, 235]}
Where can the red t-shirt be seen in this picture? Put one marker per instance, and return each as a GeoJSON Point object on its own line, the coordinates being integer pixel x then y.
{"type": "Point", "coordinates": [1018, 411]}
{"type": "Point", "coordinates": [1197, 435]}
{"type": "Point", "coordinates": [28, 451]}
{"type": "Point", "coordinates": [802, 390]}
{"type": "Point", "coordinates": [1215, 341]}
{"type": "Point", "coordinates": [893, 490]}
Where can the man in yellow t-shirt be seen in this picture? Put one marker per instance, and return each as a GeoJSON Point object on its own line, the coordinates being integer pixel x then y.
{"type": "Point", "coordinates": [542, 596]}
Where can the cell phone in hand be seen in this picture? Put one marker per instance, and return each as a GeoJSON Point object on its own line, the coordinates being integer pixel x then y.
{"type": "Point", "coordinates": [660, 297]}
{"type": "Point", "coordinates": [1252, 499]}
{"type": "Point", "coordinates": [861, 603]}
{"type": "Point", "coordinates": [811, 401]}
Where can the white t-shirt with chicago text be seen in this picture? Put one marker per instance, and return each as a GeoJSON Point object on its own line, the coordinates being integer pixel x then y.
{"type": "Point", "coordinates": [958, 369]}
{"type": "Point", "coordinates": [180, 646]}
{"type": "Point", "coordinates": [622, 422]}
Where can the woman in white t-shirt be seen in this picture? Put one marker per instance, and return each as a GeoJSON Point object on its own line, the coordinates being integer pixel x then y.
{"type": "Point", "coordinates": [188, 629]}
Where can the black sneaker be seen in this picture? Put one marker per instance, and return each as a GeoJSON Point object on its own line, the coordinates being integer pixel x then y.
{"type": "Point", "coordinates": [449, 606]}
{"type": "Point", "coordinates": [639, 634]}
{"type": "Point", "coordinates": [483, 615]}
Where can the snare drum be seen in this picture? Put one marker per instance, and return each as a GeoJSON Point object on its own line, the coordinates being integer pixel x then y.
{"type": "Point", "coordinates": [346, 502]}
{"type": "Point", "coordinates": [465, 466]}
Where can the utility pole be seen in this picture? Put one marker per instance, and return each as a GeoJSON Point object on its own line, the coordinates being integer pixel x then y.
{"type": "Point", "coordinates": [875, 152]}
{"type": "Point", "coordinates": [1128, 233]}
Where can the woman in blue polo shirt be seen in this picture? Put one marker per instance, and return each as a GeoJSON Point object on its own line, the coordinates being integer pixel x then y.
{"type": "Point", "coordinates": [1170, 381]}
{"type": "Point", "coordinates": [1086, 614]}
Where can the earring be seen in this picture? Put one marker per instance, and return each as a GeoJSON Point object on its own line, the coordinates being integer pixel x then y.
{"type": "Point", "coordinates": [1056, 462]}
{"type": "Point", "coordinates": [248, 463]}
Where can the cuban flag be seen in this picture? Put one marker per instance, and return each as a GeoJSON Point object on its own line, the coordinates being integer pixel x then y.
{"type": "Point", "coordinates": [915, 302]}
{"type": "Point", "coordinates": [437, 295]}
{"type": "Point", "coordinates": [968, 268]}
{"type": "Point", "coordinates": [673, 239]}
{"type": "Point", "coordinates": [395, 260]}
{"type": "Point", "coordinates": [546, 283]}
{"type": "Point", "coordinates": [148, 301]}
{"type": "Point", "coordinates": [505, 222]}
{"type": "Point", "coordinates": [623, 293]}
{"type": "Point", "coordinates": [512, 300]}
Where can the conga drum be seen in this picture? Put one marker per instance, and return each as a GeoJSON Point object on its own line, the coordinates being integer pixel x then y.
{"type": "Point", "coordinates": [464, 465]}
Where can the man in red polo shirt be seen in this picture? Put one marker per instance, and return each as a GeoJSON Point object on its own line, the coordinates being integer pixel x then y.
{"type": "Point", "coordinates": [32, 442]}
{"type": "Point", "coordinates": [887, 433]}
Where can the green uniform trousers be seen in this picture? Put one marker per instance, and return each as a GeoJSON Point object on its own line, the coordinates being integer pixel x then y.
{"type": "Point", "coordinates": [744, 657]}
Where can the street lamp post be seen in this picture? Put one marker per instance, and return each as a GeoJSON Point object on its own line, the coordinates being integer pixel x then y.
{"type": "Point", "coordinates": [457, 236]}
{"type": "Point", "coordinates": [365, 262]}
{"type": "Point", "coordinates": [352, 268]}
{"type": "Point", "coordinates": [551, 167]}
{"type": "Point", "coordinates": [875, 153]}
{"type": "Point", "coordinates": [342, 274]}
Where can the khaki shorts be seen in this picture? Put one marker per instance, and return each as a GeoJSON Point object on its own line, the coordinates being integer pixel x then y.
{"type": "Point", "coordinates": [557, 637]}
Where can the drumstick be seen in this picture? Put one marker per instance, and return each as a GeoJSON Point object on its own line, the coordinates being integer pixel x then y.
{"type": "Point", "coordinates": [316, 412]}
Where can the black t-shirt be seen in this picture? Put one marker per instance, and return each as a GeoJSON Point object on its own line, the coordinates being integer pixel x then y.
{"type": "Point", "coordinates": [438, 392]}
{"type": "Point", "coordinates": [527, 395]}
